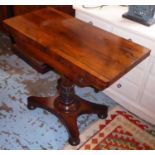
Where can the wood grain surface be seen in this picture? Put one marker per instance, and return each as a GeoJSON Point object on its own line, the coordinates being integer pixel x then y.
{"type": "Point", "coordinates": [83, 53]}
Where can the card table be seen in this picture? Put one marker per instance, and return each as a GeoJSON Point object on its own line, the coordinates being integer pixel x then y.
{"type": "Point", "coordinates": [82, 54]}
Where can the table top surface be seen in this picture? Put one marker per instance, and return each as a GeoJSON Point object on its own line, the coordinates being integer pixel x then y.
{"type": "Point", "coordinates": [101, 57]}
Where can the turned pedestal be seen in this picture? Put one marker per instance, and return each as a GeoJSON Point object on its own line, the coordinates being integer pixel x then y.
{"type": "Point", "coordinates": [67, 107]}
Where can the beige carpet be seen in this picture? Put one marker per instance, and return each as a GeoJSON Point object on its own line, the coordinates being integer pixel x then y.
{"type": "Point", "coordinates": [120, 131]}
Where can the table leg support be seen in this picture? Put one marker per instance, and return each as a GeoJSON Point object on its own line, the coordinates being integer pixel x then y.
{"type": "Point", "coordinates": [67, 107]}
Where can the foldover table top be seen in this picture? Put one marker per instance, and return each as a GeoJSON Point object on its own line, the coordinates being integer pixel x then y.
{"type": "Point", "coordinates": [85, 54]}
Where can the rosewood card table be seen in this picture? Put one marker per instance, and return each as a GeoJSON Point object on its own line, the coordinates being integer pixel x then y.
{"type": "Point", "coordinates": [83, 54]}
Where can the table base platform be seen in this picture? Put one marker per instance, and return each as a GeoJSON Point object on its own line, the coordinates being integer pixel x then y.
{"type": "Point", "coordinates": [67, 107]}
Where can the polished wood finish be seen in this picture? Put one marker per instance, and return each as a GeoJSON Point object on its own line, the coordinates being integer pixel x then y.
{"type": "Point", "coordinates": [75, 44]}
{"type": "Point", "coordinates": [83, 54]}
{"type": "Point", "coordinates": [7, 11]}
{"type": "Point", "coordinates": [15, 10]}
{"type": "Point", "coordinates": [68, 106]}
{"type": "Point", "coordinates": [37, 65]}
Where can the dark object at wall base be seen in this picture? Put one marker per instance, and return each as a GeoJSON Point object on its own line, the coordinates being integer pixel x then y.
{"type": "Point", "coordinates": [37, 65]}
{"type": "Point", "coordinates": [147, 23]}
